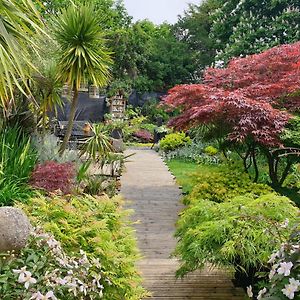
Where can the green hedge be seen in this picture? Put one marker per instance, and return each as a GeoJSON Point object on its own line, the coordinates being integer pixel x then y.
{"type": "Point", "coordinates": [100, 227]}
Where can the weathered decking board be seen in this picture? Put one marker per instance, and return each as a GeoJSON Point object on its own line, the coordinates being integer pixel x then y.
{"type": "Point", "coordinates": [154, 196]}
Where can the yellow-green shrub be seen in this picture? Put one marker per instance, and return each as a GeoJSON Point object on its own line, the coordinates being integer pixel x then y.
{"type": "Point", "coordinates": [99, 226]}
{"type": "Point", "coordinates": [222, 184]}
{"type": "Point", "coordinates": [210, 150]}
{"type": "Point", "coordinates": [240, 233]}
{"type": "Point", "coordinates": [173, 141]}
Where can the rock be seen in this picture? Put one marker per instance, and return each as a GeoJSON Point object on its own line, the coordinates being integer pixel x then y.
{"type": "Point", "coordinates": [14, 229]}
{"type": "Point", "coordinates": [118, 145]}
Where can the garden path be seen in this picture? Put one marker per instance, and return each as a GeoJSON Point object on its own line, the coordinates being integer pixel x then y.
{"type": "Point", "coordinates": [153, 194]}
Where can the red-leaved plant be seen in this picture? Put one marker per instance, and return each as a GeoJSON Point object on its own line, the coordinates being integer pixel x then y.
{"type": "Point", "coordinates": [144, 136]}
{"type": "Point", "coordinates": [244, 103]}
{"type": "Point", "coordinates": [53, 177]}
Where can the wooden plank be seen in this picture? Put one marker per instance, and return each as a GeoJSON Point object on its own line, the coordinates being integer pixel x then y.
{"type": "Point", "coordinates": [155, 198]}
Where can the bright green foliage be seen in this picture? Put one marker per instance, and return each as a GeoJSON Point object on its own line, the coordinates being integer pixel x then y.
{"type": "Point", "coordinates": [17, 160]}
{"type": "Point", "coordinates": [149, 127]}
{"type": "Point", "coordinates": [223, 184]}
{"type": "Point", "coordinates": [18, 23]}
{"type": "Point", "coordinates": [210, 150]}
{"type": "Point", "coordinates": [173, 141]}
{"type": "Point", "coordinates": [240, 233]}
{"type": "Point", "coordinates": [99, 145]}
{"type": "Point", "coordinates": [183, 169]}
{"type": "Point", "coordinates": [82, 52]}
{"type": "Point", "coordinates": [99, 226]}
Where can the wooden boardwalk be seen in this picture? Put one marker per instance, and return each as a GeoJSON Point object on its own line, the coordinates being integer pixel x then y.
{"type": "Point", "coordinates": [153, 194]}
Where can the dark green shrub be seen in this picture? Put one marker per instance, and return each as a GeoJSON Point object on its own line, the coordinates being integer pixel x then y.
{"type": "Point", "coordinates": [222, 184]}
{"type": "Point", "coordinates": [173, 141]}
{"type": "Point", "coordinates": [240, 233]}
{"type": "Point", "coordinates": [99, 226]}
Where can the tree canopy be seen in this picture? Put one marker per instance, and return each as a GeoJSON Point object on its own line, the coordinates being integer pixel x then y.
{"type": "Point", "coordinates": [242, 98]}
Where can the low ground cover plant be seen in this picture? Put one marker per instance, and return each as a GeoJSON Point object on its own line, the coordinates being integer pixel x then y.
{"type": "Point", "coordinates": [42, 270]}
{"type": "Point", "coordinates": [282, 282]}
{"type": "Point", "coordinates": [240, 233]}
{"type": "Point", "coordinates": [99, 226]}
{"type": "Point", "coordinates": [196, 152]}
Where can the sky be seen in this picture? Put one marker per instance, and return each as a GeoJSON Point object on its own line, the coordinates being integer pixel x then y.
{"type": "Point", "coordinates": [157, 11]}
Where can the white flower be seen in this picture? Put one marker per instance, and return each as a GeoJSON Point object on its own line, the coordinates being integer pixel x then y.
{"type": "Point", "coordinates": [27, 280]}
{"type": "Point", "coordinates": [39, 296]}
{"type": "Point", "coordinates": [285, 268]}
{"type": "Point", "coordinates": [21, 272]}
{"type": "Point", "coordinates": [25, 277]}
{"type": "Point", "coordinates": [249, 291]}
{"type": "Point", "coordinates": [61, 281]}
{"type": "Point", "coordinates": [273, 257]}
{"type": "Point", "coordinates": [294, 282]}
{"type": "Point", "coordinates": [289, 291]}
{"type": "Point", "coordinates": [261, 293]}
{"type": "Point", "coordinates": [273, 271]}
{"type": "Point", "coordinates": [52, 243]}
{"type": "Point", "coordinates": [96, 262]}
{"type": "Point", "coordinates": [285, 224]}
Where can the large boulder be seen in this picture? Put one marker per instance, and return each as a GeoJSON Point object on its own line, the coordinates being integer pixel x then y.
{"type": "Point", "coordinates": [14, 229]}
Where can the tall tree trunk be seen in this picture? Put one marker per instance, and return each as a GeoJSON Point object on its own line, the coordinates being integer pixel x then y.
{"type": "Point", "coordinates": [67, 136]}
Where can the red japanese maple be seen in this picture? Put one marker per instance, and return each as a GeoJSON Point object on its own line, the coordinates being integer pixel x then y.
{"type": "Point", "coordinates": [266, 76]}
{"type": "Point", "coordinates": [52, 176]}
{"type": "Point", "coordinates": [242, 98]}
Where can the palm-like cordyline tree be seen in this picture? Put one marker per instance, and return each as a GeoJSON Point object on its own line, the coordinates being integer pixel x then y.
{"type": "Point", "coordinates": [19, 21]}
{"type": "Point", "coordinates": [82, 53]}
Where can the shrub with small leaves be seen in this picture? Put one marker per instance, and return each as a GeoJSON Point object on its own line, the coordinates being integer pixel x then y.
{"type": "Point", "coordinates": [47, 147]}
{"type": "Point", "coordinates": [224, 184]}
{"type": "Point", "coordinates": [210, 150]}
{"type": "Point", "coordinates": [173, 141]}
{"type": "Point", "coordinates": [53, 177]}
{"type": "Point", "coordinates": [42, 270]}
{"type": "Point", "coordinates": [100, 227]}
{"type": "Point", "coordinates": [240, 233]}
